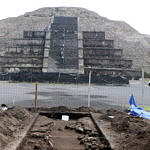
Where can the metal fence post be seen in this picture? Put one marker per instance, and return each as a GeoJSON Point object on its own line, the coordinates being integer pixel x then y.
{"type": "Point", "coordinates": [89, 89]}
{"type": "Point", "coordinates": [35, 100]}
{"type": "Point", "coordinates": [142, 85]}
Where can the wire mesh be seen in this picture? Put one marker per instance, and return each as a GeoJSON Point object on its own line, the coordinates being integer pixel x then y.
{"type": "Point", "coordinates": [73, 94]}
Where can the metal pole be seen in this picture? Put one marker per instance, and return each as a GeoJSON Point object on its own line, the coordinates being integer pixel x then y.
{"type": "Point", "coordinates": [9, 75]}
{"type": "Point", "coordinates": [89, 89]}
{"type": "Point", "coordinates": [58, 77]}
{"type": "Point", "coordinates": [142, 85]}
{"type": "Point", "coordinates": [36, 92]}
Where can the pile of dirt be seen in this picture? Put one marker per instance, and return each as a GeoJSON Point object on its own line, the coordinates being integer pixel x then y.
{"type": "Point", "coordinates": [19, 113]}
{"type": "Point", "coordinates": [85, 109]}
{"type": "Point", "coordinates": [122, 122]}
{"type": "Point", "coordinates": [60, 109]}
{"type": "Point", "coordinates": [66, 109]}
{"type": "Point", "coordinates": [139, 141]}
{"type": "Point", "coordinates": [134, 131]}
{"type": "Point", "coordinates": [54, 109]}
{"type": "Point", "coordinates": [12, 121]}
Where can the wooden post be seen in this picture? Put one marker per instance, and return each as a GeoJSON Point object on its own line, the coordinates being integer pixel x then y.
{"type": "Point", "coordinates": [36, 93]}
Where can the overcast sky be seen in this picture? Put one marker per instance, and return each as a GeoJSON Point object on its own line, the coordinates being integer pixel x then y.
{"type": "Point", "coordinates": [134, 12]}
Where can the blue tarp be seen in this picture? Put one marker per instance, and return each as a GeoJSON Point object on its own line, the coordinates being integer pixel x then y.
{"type": "Point", "coordinates": [137, 111]}
{"type": "Point", "coordinates": [132, 101]}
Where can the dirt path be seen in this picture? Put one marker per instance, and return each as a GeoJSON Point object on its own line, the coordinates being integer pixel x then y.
{"type": "Point", "coordinates": [65, 139]}
{"type": "Point", "coordinates": [59, 137]}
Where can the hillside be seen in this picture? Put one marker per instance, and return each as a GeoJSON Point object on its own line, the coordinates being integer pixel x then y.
{"type": "Point", "coordinates": [135, 45]}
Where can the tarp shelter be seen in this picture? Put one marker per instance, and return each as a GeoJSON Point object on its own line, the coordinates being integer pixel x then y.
{"type": "Point", "coordinates": [137, 111]}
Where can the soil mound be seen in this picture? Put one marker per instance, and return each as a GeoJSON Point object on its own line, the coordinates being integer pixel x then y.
{"type": "Point", "coordinates": [60, 109]}
{"type": "Point", "coordinates": [134, 131]}
{"type": "Point", "coordinates": [141, 141]}
{"type": "Point", "coordinates": [12, 121]}
{"type": "Point", "coordinates": [85, 109]}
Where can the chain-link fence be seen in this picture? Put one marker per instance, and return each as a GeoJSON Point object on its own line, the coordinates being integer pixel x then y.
{"type": "Point", "coordinates": [48, 94]}
{"type": "Point", "coordinates": [73, 95]}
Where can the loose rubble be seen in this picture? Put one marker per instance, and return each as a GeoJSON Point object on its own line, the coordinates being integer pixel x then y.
{"type": "Point", "coordinates": [90, 138]}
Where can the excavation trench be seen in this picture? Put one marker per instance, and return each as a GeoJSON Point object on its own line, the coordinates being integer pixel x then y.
{"type": "Point", "coordinates": [64, 131]}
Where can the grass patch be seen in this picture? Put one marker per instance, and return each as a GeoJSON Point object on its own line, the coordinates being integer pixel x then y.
{"type": "Point", "coordinates": [146, 108]}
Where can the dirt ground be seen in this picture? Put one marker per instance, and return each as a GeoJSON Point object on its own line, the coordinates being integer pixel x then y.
{"type": "Point", "coordinates": [67, 109]}
{"type": "Point", "coordinates": [48, 134]}
{"type": "Point", "coordinates": [134, 132]}
{"type": "Point", "coordinates": [12, 123]}
{"type": "Point", "coordinates": [65, 139]}
{"type": "Point", "coordinates": [131, 133]}
{"type": "Point", "coordinates": [56, 134]}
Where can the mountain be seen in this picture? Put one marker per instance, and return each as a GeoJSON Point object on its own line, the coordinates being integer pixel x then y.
{"type": "Point", "coordinates": [136, 45]}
